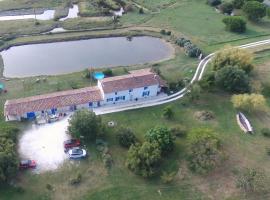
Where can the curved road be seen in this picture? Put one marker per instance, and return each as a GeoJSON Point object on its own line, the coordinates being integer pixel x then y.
{"type": "Point", "coordinates": [166, 99]}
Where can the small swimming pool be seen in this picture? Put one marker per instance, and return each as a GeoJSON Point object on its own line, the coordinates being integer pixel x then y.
{"type": "Point", "coordinates": [98, 75]}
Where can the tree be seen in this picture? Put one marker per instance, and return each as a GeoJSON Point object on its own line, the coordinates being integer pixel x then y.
{"type": "Point", "coordinates": [162, 136]}
{"type": "Point", "coordinates": [249, 102]}
{"type": "Point", "coordinates": [238, 3]}
{"type": "Point", "coordinates": [213, 2]}
{"type": "Point", "coordinates": [8, 159]}
{"type": "Point", "coordinates": [194, 92]}
{"type": "Point", "coordinates": [126, 137]}
{"type": "Point", "coordinates": [235, 24]}
{"type": "Point", "coordinates": [143, 159]}
{"type": "Point", "coordinates": [108, 72]}
{"type": "Point", "coordinates": [168, 112]}
{"type": "Point", "coordinates": [254, 10]}
{"type": "Point", "coordinates": [253, 181]}
{"type": "Point", "coordinates": [204, 150]}
{"type": "Point", "coordinates": [226, 7]}
{"type": "Point", "coordinates": [232, 56]}
{"type": "Point", "coordinates": [85, 123]}
{"type": "Point", "coordinates": [232, 79]}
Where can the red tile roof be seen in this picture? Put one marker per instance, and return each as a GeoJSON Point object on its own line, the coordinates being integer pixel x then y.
{"type": "Point", "coordinates": [53, 100]}
{"type": "Point", "coordinates": [136, 79]}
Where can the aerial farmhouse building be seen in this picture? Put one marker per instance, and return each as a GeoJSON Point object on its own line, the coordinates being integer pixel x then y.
{"type": "Point", "coordinates": [136, 85]}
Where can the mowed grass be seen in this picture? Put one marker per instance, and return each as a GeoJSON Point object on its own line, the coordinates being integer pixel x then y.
{"type": "Point", "coordinates": [198, 21]}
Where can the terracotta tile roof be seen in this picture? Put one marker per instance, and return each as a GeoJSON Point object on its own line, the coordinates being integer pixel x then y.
{"type": "Point", "coordinates": [53, 100]}
{"type": "Point", "coordinates": [136, 79]}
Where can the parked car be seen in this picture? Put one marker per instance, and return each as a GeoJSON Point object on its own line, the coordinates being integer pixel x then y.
{"type": "Point", "coordinates": [68, 144]}
{"type": "Point", "coordinates": [27, 164]}
{"type": "Point", "coordinates": [76, 153]}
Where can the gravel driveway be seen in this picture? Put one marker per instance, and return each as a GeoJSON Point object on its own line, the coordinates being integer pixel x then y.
{"type": "Point", "coordinates": [44, 143]}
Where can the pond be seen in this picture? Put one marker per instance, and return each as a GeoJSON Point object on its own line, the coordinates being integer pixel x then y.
{"type": "Point", "coordinates": [46, 15]}
{"type": "Point", "coordinates": [71, 56]}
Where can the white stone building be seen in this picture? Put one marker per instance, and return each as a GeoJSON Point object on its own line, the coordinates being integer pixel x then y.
{"type": "Point", "coordinates": [136, 85]}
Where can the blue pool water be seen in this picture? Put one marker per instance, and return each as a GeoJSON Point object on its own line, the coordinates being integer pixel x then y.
{"type": "Point", "coordinates": [98, 75]}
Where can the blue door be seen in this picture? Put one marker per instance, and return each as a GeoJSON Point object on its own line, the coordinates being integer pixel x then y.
{"type": "Point", "coordinates": [53, 110]}
{"type": "Point", "coordinates": [31, 115]}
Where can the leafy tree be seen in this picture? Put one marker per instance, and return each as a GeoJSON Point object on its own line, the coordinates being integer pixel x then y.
{"type": "Point", "coordinates": [162, 136]}
{"type": "Point", "coordinates": [266, 132]}
{"type": "Point", "coordinates": [194, 92]}
{"type": "Point", "coordinates": [168, 112]}
{"type": "Point", "coordinates": [204, 150]}
{"type": "Point", "coordinates": [85, 123]}
{"type": "Point", "coordinates": [249, 102]}
{"type": "Point", "coordinates": [235, 24]}
{"type": "Point", "coordinates": [231, 56]}
{"type": "Point", "coordinates": [108, 72]}
{"type": "Point", "coordinates": [238, 3]}
{"type": "Point", "coordinates": [232, 79]}
{"type": "Point", "coordinates": [253, 181]}
{"type": "Point", "coordinates": [214, 2]}
{"type": "Point", "coordinates": [144, 159]}
{"type": "Point", "coordinates": [8, 159]}
{"type": "Point", "coordinates": [226, 7]}
{"type": "Point", "coordinates": [254, 10]}
{"type": "Point", "coordinates": [126, 137]}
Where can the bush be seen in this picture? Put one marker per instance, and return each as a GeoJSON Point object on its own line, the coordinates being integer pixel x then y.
{"type": "Point", "coordinates": [85, 123]}
{"type": "Point", "coordinates": [167, 177]}
{"type": "Point", "coordinates": [231, 56]}
{"type": "Point", "coordinates": [253, 181]}
{"type": "Point", "coordinates": [235, 24]}
{"type": "Point", "coordinates": [107, 160]}
{"type": "Point", "coordinates": [179, 131]}
{"type": "Point", "coordinates": [163, 32]}
{"type": "Point", "coordinates": [213, 2]}
{"type": "Point", "coordinates": [249, 102]}
{"type": "Point", "coordinates": [238, 3]}
{"type": "Point", "coordinates": [226, 7]}
{"type": "Point", "coordinates": [204, 150]}
{"type": "Point", "coordinates": [254, 10]}
{"type": "Point", "coordinates": [49, 187]}
{"type": "Point", "coordinates": [266, 132]}
{"type": "Point", "coordinates": [168, 112]}
{"type": "Point", "coordinates": [182, 41]}
{"type": "Point", "coordinates": [162, 136]}
{"type": "Point", "coordinates": [126, 137]}
{"type": "Point", "coordinates": [232, 79]}
{"type": "Point", "coordinates": [141, 11]}
{"type": "Point", "coordinates": [144, 159]}
{"type": "Point", "coordinates": [192, 50]}
{"type": "Point", "coordinates": [108, 72]}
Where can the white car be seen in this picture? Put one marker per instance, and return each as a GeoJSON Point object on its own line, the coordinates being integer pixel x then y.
{"type": "Point", "coordinates": [76, 153]}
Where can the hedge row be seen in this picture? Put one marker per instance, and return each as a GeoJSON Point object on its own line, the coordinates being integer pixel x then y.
{"type": "Point", "coordinates": [190, 49]}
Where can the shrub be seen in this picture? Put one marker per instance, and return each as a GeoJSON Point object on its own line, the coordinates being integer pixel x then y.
{"type": "Point", "coordinates": [141, 11]}
{"type": "Point", "coordinates": [204, 150]}
{"type": "Point", "coordinates": [213, 2]}
{"type": "Point", "coordinates": [182, 41]}
{"type": "Point", "coordinates": [253, 181]}
{"type": "Point", "coordinates": [179, 131]}
{"type": "Point", "coordinates": [107, 160]}
{"type": "Point", "coordinates": [76, 180]}
{"type": "Point", "coordinates": [126, 137]}
{"type": "Point", "coordinates": [163, 32]}
{"type": "Point", "coordinates": [108, 72]}
{"type": "Point", "coordinates": [144, 159]}
{"type": "Point", "coordinates": [168, 112]}
{"type": "Point", "coordinates": [266, 132]}
{"type": "Point", "coordinates": [254, 10]}
{"type": "Point", "coordinates": [167, 177]}
{"type": "Point", "coordinates": [226, 7]}
{"type": "Point", "coordinates": [249, 102]}
{"type": "Point", "coordinates": [85, 123]}
{"type": "Point", "coordinates": [49, 187]}
{"type": "Point", "coordinates": [162, 136]}
{"type": "Point", "coordinates": [235, 24]}
{"type": "Point", "coordinates": [238, 3]}
{"type": "Point", "coordinates": [233, 57]}
{"type": "Point", "coordinates": [192, 50]}
{"type": "Point", "coordinates": [232, 79]}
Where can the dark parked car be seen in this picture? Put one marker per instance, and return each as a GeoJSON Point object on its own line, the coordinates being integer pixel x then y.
{"type": "Point", "coordinates": [27, 164]}
{"type": "Point", "coordinates": [68, 144]}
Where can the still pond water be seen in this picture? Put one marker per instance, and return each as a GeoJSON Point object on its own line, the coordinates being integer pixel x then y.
{"type": "Point", "coordinates": [72, 56]}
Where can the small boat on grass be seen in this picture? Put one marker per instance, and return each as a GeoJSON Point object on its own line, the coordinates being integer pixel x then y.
{"type": "Point", "coordinates": [244, 123]}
